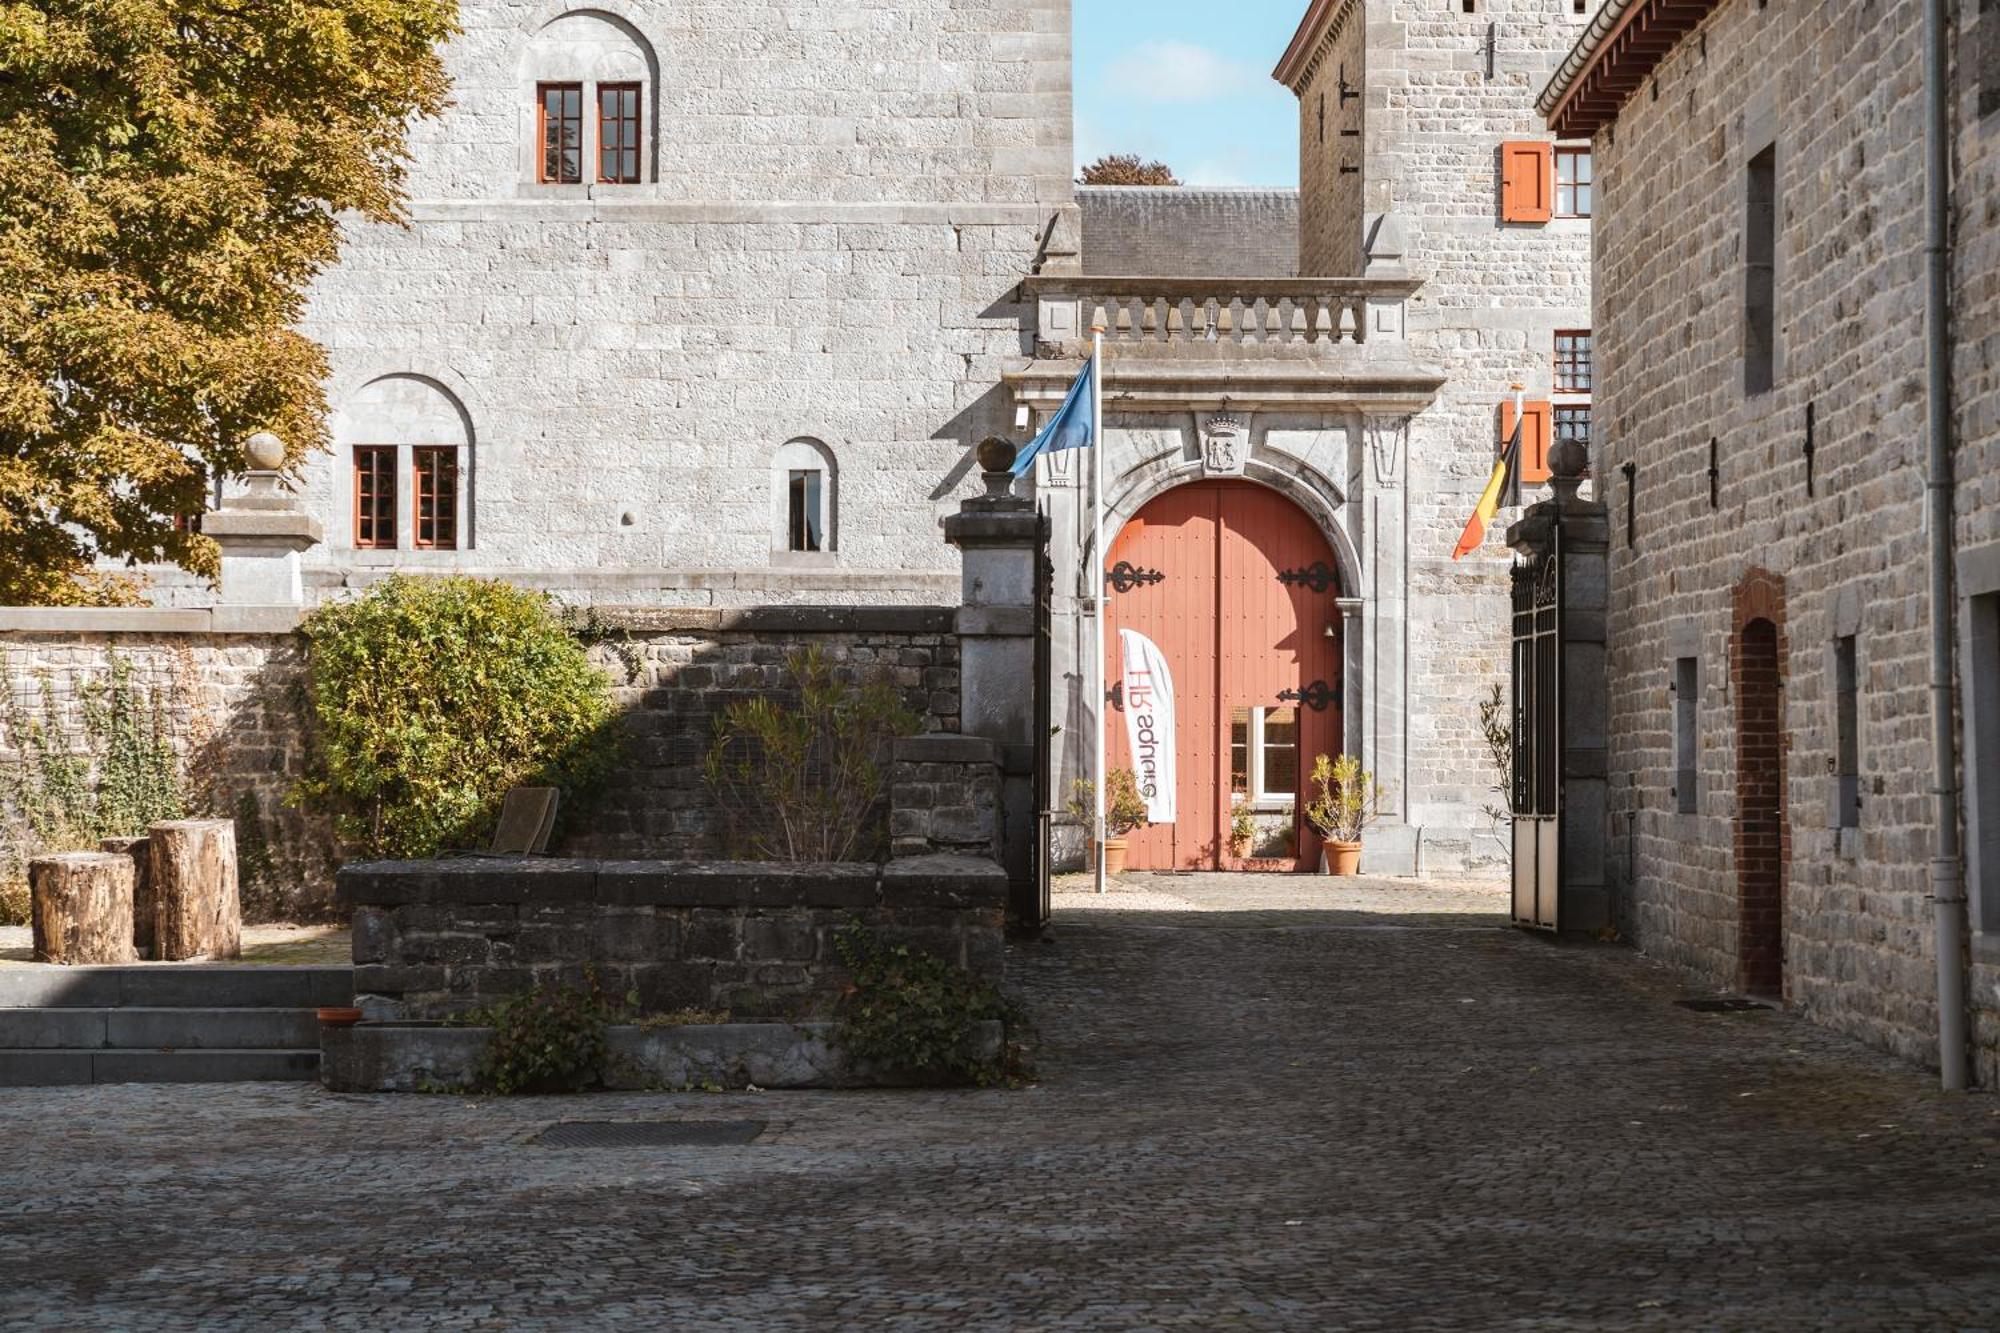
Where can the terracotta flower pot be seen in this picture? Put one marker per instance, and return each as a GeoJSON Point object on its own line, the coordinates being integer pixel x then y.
{"type": "Point", "coordinates": [1114, 856]}
{"type": "Point", "coordinates": [1339, 858]}
{"type": "Point", "coordinates": [339, 1017]}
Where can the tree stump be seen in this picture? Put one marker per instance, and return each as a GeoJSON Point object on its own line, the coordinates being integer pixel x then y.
{"type": "Point", "coordinates": [192, 865]}
{"type": "Point", "coordinates": [82, 907]}
{"type": "Point", "coordinates": [145, 919]}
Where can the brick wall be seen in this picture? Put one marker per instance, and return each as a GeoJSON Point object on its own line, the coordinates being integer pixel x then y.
{"type": "Point", "coordinates": [1838, 87]}
{"type": "Point", "coordinates": [1148, 231]}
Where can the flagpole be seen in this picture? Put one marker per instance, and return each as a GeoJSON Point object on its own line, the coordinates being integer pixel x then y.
{"type": "Point", "coordinates": [1097, 556]}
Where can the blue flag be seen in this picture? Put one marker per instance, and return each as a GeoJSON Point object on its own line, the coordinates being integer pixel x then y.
{"type": "Point", "coordinates": [1069, 428]}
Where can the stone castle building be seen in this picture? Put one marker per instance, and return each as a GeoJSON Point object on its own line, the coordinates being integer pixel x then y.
{"type": "Point", "coordinates": [701, 310]}
{"type": "Point", "coordinates": [1761, 400]}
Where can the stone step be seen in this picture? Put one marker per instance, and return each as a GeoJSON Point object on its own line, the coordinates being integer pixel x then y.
{"type": "Point", "coordinates": [50, 1068]}
{"type": "Point", "coordinates": [139, 1028]}
{"type": "Point", "coordinates": [174, 986]}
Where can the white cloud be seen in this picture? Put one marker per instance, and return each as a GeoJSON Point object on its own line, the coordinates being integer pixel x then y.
{"type": "Point", "coordinates": [1178, 72]}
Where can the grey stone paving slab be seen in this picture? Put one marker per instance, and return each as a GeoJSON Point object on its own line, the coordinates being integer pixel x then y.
{"type": "Point", "coordinates": [1326, 1117]}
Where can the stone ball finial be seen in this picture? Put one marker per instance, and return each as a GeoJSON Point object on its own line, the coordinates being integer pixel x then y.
{"type": "Point", "coordinates": [996, 454]}
{"type": "Point", "coordinates": [265, 451]}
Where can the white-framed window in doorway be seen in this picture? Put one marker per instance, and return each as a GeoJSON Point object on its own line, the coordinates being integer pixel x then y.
{"type": "Point", "coordinates": [1264, 756]}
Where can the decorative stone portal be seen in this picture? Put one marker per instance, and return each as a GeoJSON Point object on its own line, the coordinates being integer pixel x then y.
{"type": "Point", "coordinates": [1237, 586]}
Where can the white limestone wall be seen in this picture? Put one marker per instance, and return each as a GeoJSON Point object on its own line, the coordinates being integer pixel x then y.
{"type": "Point", "coordinates": [840, 201]}
{"type": "Point", "coordinates": [1493, 296]}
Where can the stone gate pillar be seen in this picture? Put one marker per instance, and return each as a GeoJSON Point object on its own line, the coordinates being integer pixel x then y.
{"type": "Point", "coordinates": [999, 537]}
{"type": "Point", "coordinates": [1583, 530]}
{"type": "Point", "coordinates": [1382, 503]}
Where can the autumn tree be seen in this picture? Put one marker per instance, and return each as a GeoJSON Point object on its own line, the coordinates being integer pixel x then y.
{"type": "Point", "coordinates": [171, 178]}
{"type": "Point", "coordinates": [1127, 169]}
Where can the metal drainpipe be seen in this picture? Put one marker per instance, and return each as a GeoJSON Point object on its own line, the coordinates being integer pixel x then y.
{"type": "Point", "coordinates": [1947, 877]}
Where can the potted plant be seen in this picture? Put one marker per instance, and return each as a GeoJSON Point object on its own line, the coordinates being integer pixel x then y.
{"type": "Point", "coordinates": [1242, 832]}
{"type": "Point", "coordinates": [1349, 800]}
{"type": "Point", "coordinates": [1124, 810]}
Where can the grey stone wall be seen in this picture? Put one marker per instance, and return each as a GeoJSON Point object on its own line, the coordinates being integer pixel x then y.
{"type": "Point", "coordinates": [232, 704]}
{"type": "Point", "coordinates": [435, 938]}
{"type": "Point", "coordinates": [1843, 530]}
{"type": "Point", "coordinates": [228, 703]}
{"type": "Point", "coordinates": [945, 797]}
{"type": "Point", "coordinates": [843, 202]}
{"type": "Point", "coordinates": [1158, 231]}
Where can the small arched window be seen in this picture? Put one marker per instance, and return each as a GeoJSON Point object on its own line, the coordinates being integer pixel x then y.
{"type": "Point", "coordinates": [409, 446]}
{"type": "Point", "coordinates": [804, 485]}
{"type": "Point", "coordinates": [592, 80]}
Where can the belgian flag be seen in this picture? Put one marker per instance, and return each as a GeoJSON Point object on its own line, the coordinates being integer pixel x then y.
{"type": "Point", "coordinates": [1502, 488]}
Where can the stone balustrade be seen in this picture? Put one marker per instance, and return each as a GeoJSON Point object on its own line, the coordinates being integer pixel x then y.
{"type": "Point", "coordinates": [1217, 317]}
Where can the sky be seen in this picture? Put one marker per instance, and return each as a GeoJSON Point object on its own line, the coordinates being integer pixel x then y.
{"type": "Point", "coordinates": [1189, 82]}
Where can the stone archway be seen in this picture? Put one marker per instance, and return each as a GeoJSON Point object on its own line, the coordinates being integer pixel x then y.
{"type": "Point", "coordinates": [1238, 588]}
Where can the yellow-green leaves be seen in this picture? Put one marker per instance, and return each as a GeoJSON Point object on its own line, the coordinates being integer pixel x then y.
{"type": "Point", "coordinates": [170, 176]}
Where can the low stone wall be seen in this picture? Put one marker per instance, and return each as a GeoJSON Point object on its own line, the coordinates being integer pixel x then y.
{"type": "Point", "coordinates": [944, 797]}
{"type": "Point", "coordinates": [436, 938]}
{"type": "Point", "coordinates": [228, 684]}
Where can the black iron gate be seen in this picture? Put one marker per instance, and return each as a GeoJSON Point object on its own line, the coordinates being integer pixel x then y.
{"type": "Point", "coordinates": [1031, 898]}
{"type": "Point", "coordinates": [1537, 778]}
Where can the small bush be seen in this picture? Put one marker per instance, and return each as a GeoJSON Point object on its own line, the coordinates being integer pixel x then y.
{"type": "Point", "coordinates": [431, 697]}
{"type": "Point", "coordinates": [801, 779]}
{"type": "Point", "coordinates": [549, 1040]}
{"type": "Point", "coordinates": [913, 1012]}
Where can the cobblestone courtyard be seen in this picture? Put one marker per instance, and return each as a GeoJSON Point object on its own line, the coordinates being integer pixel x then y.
{"type": "Point", "coordinates": [1264, 1104]}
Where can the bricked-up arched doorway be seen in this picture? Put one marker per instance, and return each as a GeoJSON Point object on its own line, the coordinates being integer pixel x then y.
{"type": "Point", "coordinates": [1762, 842]}
{"type": "Point", "coordinates": [1237, 586]}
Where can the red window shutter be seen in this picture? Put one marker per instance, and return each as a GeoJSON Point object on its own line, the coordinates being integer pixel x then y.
{"type": "Point", "coordinates": [1527, 182]}
{"type": "Point", "coordinates": [1534, 437]}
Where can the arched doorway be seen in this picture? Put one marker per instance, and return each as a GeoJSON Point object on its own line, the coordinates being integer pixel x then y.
{"type": "Point", "coordinates": [1237, 586]}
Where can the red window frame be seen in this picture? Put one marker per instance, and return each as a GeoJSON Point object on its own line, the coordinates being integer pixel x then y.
{"type": "Point", "coordinates": [1574, 350]}
{"type": "Point", "coordinates": [375, 497]}
{"type": "Point", "coordinates": [551, 166]}
{"type": "Point", "coordinates": [619, 121]}
{"type": "Point", "coordinates": [1575, 179]}
{"type": "Point", "coordinates": [434, 499]}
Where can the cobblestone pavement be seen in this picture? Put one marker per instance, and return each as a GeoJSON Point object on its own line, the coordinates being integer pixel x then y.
{"type": "Point", "coordinates": [1327, 1117]}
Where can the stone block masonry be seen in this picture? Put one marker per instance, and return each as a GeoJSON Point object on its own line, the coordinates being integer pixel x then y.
{"type": "Point", "coordinates": [1178, 231]}
{"type": "Point", "coordinates": [233, 705]}
{"type": "Point", "coordinates": [436, 938]}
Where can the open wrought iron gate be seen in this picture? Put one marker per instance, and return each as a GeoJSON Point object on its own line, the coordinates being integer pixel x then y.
{"type": "Point", "coordinates": [1537, 778]}
{"type": "Point", "coordinates": [1031, 897]}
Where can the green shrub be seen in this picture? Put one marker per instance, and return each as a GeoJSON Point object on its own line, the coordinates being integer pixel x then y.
{"type": "Point", "coordinates": [801, 778]}
{"type": "Point", "coordinates": [431, 697]}
{"type": "Point", "coordinates": [914, 1012]}
{"type": "Point", "coordinates": [548, 1040]}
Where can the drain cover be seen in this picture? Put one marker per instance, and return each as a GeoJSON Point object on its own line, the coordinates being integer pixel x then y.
{"type": "Point", "coordinates": [649, 1134]}
{"type": "Point", "coordinates": [1727, 1004]}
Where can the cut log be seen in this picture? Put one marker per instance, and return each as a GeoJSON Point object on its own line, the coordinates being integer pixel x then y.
{"type": "Point", "coordinates": [192, 865]}
{"type": "Point", "coordinates": [144, 918]}
{"type": "Point", "coordinates": [82, 907]}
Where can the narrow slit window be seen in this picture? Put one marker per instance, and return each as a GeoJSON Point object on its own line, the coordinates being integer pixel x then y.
{"type": "Point", "coordinates": [1760, 289]}
{"type": "Point", "coordinates": [1239, 753]}
{"type": "Point", "coordinates": [1573, 363]}
{"type": "Point", "coordinates": [1687, 698]}
{"type": "Point", "coordinates": [375, 497]}
{"type": "Point", "coordinates": [1573, 182]}
{"type": "Point", "coordinates": [1847, 728]}
{"type": "Point", "coordinates": [805, 527]}
{"type": "Point", "coordinates": [560, 117]}
{"type": "Point", "coordinates": [618, 133]}
{"type": "Point", "coordinates": [434, 473]}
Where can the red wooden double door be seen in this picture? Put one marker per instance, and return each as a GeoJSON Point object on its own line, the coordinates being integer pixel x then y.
{"type": "Point", "coordinates": [1238, 588]}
